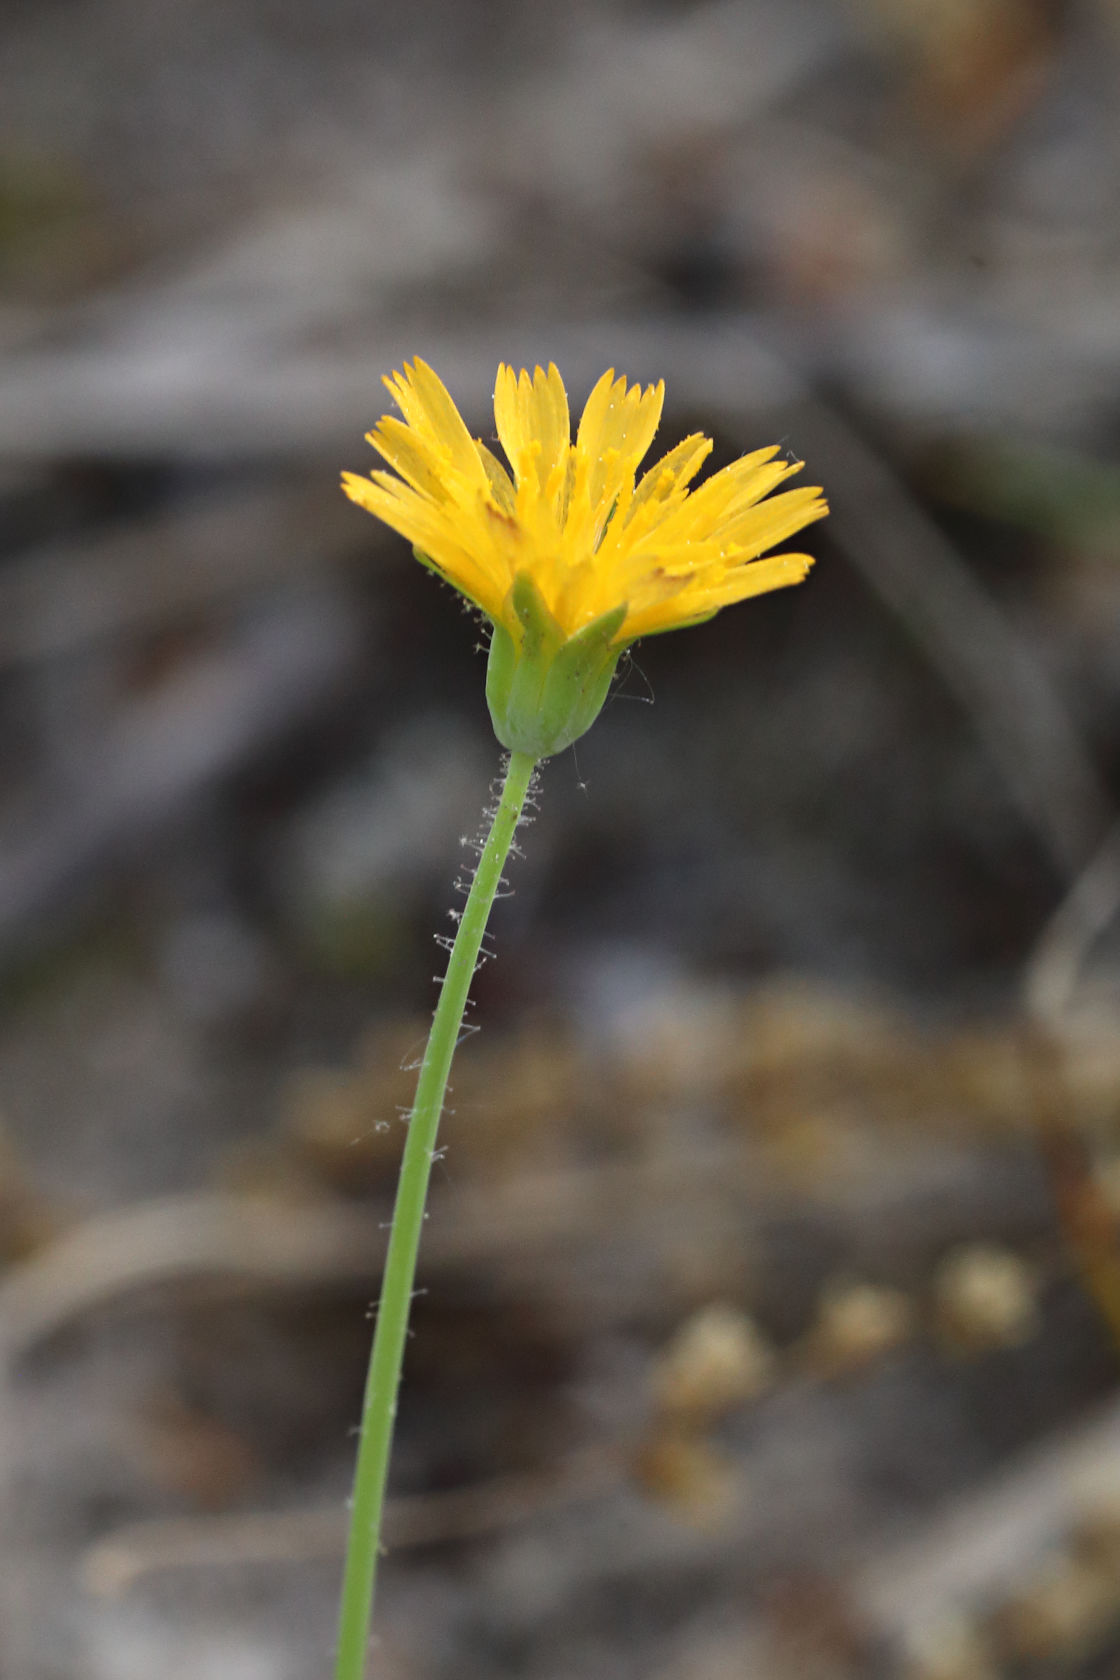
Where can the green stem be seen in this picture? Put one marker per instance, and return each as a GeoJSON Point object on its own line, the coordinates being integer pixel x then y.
{"type": "Point", "coordinates": [380, 1404]}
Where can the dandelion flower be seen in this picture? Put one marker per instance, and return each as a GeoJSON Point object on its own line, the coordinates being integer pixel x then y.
{"type": "Point", "coordinates": [569, 553]}
{"type": "Point", "coordinates": [571, 556]}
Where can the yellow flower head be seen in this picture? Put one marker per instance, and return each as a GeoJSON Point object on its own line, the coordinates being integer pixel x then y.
{"type": "Point", "coordinates": [568, 548]}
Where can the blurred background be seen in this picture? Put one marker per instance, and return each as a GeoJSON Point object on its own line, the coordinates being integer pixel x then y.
{"type": "Point", "coordinates": [771, 1299]}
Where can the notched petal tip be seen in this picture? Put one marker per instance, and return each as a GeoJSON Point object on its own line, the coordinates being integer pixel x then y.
{"type": "Point", "coordinates": [816, 502]}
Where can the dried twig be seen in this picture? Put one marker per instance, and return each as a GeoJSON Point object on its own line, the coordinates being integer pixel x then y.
{"type": "Point", "coordinates": [118, 1562]}
{"type": "Point", "coordinates": [985, 1543]}
{"type": "Point", "coordinates": [162, 750]}
{"type": "Point", "coordinates": [967, 639]}
{"type": "Point", "coordinates": [713, 1188]}
{"type": "Point", "coordinates": [1063, 947]}
{"type": "Point", "coordinates": [118, 399]}
{"type": "Point", "coordinates": [60, 599]}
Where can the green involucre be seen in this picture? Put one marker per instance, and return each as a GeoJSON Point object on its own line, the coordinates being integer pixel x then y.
{"type": "Point", "coordinates": [546, 691]}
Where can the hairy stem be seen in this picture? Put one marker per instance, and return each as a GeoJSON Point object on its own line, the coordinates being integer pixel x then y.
{"type": "Point", "coordinates": [380, 1403]}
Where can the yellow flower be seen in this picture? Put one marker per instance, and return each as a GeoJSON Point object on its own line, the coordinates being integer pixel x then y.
{"type": "Point", "coordinates": [568, 550]}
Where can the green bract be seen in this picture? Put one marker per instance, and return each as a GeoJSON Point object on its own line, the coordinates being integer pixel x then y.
{"type": "Point", "coordinates": [547, 689]}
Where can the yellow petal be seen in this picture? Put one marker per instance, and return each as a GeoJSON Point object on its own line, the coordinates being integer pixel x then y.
{"type": "Point", "coordinates": [771, 522]}
{"type": "Point", "coordinates": [427, 406]}
{"type": "Point", "coordinates": [674, 472]}
{"type": "Point", "coordinates": [501, 485]}
{"type": "Point", "coordinates": [615, 431]}
{"type": "Point", "coordinates": [760, 578]}
{"type": "Point", "coordinates": [402, 448]}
